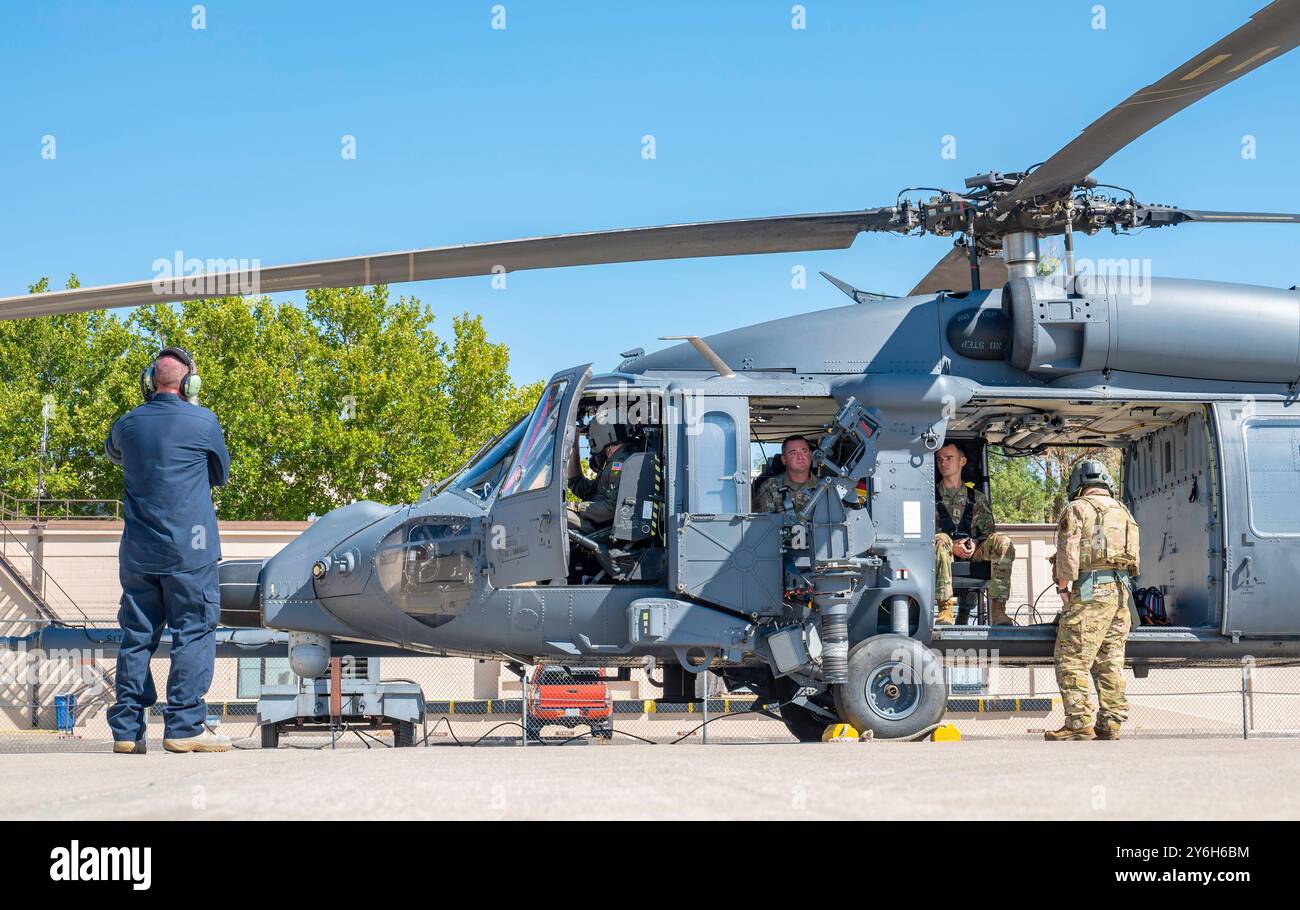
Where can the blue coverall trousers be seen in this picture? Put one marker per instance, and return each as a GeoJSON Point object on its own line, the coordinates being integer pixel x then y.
{"type": "Point", "coordinates": [188, 603]}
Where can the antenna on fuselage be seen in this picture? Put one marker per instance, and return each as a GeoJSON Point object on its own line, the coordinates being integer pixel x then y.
{"type": "Point", "coordinates": [857, 295]}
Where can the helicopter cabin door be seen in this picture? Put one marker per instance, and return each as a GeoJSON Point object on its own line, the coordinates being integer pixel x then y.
{"type": "Point", "coordinates": [1261, 468]}
{"type": "Point", "coordinates": [527, 537]}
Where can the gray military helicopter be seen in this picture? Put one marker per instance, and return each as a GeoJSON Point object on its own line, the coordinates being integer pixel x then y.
{"type": "Point", "coordinates": [829, 610]}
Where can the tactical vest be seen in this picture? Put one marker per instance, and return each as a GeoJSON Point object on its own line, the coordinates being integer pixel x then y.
{"type": "Point", "coordinates": [788, 503]}
{"type": "Point", "coordinates": [1110, 539]}
{"type": "Point", "coordinates": [959, 529]}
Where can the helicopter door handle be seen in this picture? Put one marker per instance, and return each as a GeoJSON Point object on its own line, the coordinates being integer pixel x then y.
{"type": "Point", "coordinates": [543, 520]}
{"type": "Point", "coordinates": [1242, 576]}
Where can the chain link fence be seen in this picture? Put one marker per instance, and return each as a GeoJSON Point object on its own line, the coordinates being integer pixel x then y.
{"type": "Point", "coordinates": [59, 701]}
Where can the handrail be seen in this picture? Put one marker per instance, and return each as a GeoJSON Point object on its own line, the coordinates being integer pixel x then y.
{"type": "Point", "coordinates": [41, 603]}
{"type": "Point", "coordinates": [43, 508]}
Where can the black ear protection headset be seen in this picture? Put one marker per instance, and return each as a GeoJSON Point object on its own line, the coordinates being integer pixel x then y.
{"type": "Point", "coordinates": [190, 382]}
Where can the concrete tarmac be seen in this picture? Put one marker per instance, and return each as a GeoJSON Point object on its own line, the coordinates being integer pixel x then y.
{"type": "Point", "coordinates": [988, 779]}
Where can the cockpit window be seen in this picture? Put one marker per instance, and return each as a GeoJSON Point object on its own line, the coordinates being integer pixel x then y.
{"type": "Point", "coordinates": [532, 466]}
{"type": "Point", "coordinates": [484, 472]}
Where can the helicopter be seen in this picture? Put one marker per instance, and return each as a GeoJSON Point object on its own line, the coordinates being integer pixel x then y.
{"type": "Point", "coordinates": [828, 609]}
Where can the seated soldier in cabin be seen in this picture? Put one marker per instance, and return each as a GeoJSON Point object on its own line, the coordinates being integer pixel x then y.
{"type": "Point", "coordinates": [790, 490]}
{"type": "Point", "coordinates": [965, 526]}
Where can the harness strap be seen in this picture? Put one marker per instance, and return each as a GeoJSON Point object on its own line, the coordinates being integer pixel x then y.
{"type": "Point", "coordinates": [962, 528]}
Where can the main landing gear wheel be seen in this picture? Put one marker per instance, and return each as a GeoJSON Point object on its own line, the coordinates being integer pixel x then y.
{"type": "Point", "coordinates": [895, 689]}
{"type": "Point", "coordinates": [803, 724]}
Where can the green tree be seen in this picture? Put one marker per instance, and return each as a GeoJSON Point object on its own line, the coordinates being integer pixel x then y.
{"type": "Point", "coordinates": [1018, 489]}
{"type": "Point", "coordinates": [1056, 463]}
{"type": "Point", "coordinates": [1032, 488]}
{"type": "Point", "coordinates": [352, 395]}
{"type": "Point", "coordinates": [84, 366]}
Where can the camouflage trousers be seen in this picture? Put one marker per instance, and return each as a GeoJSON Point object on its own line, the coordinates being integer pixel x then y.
{"type": "Point", "coordinates": [1090, 641]}
{"type": "Point", "coordinates": [998, 551]}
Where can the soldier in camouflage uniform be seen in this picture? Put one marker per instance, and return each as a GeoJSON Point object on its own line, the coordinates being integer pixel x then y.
{"type": "Point", "coordinates": [796, 480]}
{"type": "Point", "coordinates": [1096, 552]}
{"type": "Point", "coordinates": [965, 526]}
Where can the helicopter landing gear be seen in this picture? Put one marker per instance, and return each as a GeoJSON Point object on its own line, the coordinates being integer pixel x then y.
{"type": "Point", "coordinates": [896, 688]}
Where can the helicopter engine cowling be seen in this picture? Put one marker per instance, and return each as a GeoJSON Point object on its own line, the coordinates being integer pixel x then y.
{"type": "Point", "coordinates": [241, 593]}
{"type": "Point", "coordinates": [1159, 326]}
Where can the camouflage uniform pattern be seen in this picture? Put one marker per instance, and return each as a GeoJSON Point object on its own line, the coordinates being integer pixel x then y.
{"type": "Point", "coordinates": [992, 547]}
{"type": "Point", "coordinates": [769, 497]}
{"type": "Point", "coordinates": [1094, 628]}
{"type": "Point", "coordinates": [1090, 641]}
{"type": "Point", "coordinates": [599, 495]}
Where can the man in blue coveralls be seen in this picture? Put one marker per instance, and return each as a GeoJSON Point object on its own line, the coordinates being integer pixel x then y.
{"type": "Point", "coordinates": [171, 452]}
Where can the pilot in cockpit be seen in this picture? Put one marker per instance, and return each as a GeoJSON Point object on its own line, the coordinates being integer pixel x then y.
{"type": "Point", "coordinates": [610, 447]}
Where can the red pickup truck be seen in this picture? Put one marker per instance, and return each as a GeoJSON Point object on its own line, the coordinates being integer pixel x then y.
{"type": "Point", "coordinates": [577, 697]}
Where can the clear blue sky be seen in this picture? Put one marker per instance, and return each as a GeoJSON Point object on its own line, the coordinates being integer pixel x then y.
{"type": "Point", "coordinates": [225, 142]}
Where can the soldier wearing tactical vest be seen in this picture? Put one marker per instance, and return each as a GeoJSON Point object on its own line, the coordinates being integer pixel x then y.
{"type": "Point", "coordinates": [965, 526]}
{"type": "Point", "coordinates": [790, 490]}
{"type": "Point", "coordinates": [1096, 554]}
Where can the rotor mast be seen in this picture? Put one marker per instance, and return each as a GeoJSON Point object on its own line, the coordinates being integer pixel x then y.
{"type": "Point", "coordinates": [1020, 250]}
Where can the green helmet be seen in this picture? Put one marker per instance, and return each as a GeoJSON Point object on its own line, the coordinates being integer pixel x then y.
{"type": "Point", "coordinates": [1089, 473]}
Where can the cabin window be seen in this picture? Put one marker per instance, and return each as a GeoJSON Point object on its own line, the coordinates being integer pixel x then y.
{"type": "Point", "coordinates": [1273, 476]}
{"type": "Point", "coordinates": [715, 468]}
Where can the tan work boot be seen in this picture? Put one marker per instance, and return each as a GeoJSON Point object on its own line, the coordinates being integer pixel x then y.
{"type": "Point", "coordinates": [126, 747]}
{"type": "Point", "coordinates": [206, 741]}
{"type": "Point", "coordinates": [945, 614]}
{"type": "Point", "coordinates": [1106, 730]}
{"type": "Point", "coordinates": [1065, 733]}
{"type": "Point", "coordinates": [998, 613]}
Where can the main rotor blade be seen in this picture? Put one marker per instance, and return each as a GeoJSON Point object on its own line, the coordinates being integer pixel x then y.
{"type": "Point", "coordinates": [783, 234]}
{"type": "Point", "coordinates": [1270, 33]}
{"type": "Point", "coordinates": [1162, 215]}
{"type": "Point", "coordinates": [952, 273]}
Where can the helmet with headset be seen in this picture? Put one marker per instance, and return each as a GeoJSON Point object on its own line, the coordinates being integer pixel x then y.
{"type": "Point", "coordinates": [190, 382]}
{"type": "Point", "coordinates": [602, 435]}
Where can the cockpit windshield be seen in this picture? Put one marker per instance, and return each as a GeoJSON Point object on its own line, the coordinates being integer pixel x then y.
{"type": "Point", "coordinates": [483, 473]}
{"type": "Point", "coordinates": [532, 467]}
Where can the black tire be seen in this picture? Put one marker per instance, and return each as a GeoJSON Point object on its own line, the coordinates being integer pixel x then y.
{"type": "Point", "coordinates": [534, 731]}
{"type": "Point", "coordinates": [803, 724]}
{"type": "Point", "coordinates": [404, 735]}
{"type": "Point", "coordinates": [606, 732]}
{"type": "Point", "coordinates": [270, 736]}
{"type": "Point", "coordinates": [896, 687]}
